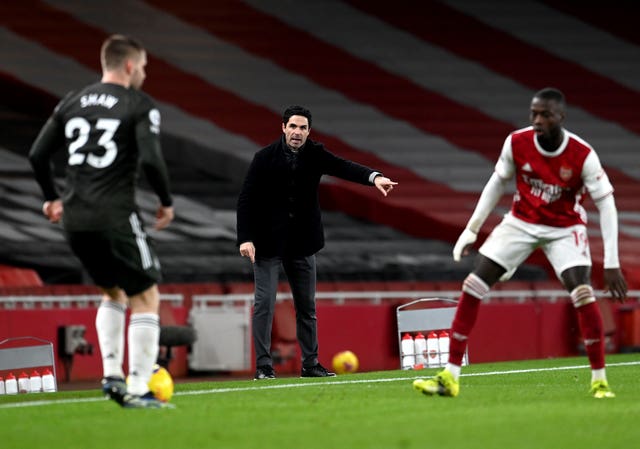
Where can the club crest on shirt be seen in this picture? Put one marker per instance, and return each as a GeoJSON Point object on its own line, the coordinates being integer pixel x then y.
{"type": "Point", "coordinates": [566, 173]}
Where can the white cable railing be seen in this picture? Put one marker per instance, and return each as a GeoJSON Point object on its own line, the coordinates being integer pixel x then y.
{"type": "Point", "coordinates": [81, 301]}
{"type": "Point", "coordinates": [338, 297]}
{"type": "Point", "coordinates": [377, 297]}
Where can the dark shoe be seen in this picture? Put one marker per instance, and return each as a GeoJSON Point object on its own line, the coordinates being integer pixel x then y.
{"type": "Point", "coordinates": [114, 388]}
{"type": "Point", "coordinates": [264, 372]}
{"type": "Point", "coordinates": [147, 400]}
{"type": "Point", "coordinates": [316, 371]}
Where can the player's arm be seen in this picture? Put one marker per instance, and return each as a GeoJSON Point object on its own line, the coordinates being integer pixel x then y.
{"type": "Point", "coordinates": [153, 165]}
{"type": "Point", "coordinates": [601, 192]}
{"type": "Point", "coordinates": [48, 141]}
{"type": "Point", "coordinates": [491, 194]}
{"type": "Point", "coordinates": [613, 278]}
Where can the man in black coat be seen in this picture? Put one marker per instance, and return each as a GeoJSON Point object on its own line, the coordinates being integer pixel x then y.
{"type": "Point", "coordinates": [279, 223]}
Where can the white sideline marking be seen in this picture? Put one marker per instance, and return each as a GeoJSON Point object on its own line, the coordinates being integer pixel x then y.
{"type": "Point", "coordinates": [307, 384]}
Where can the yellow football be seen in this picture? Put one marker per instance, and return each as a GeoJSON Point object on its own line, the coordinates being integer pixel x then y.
{"type": "Point", "coordinates": [161, 384]}
{"type": "Point", "coordinates": [345, 362]}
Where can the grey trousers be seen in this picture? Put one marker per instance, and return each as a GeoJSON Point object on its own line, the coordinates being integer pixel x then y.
{"type": "Point", "coordinates": [301, 273]}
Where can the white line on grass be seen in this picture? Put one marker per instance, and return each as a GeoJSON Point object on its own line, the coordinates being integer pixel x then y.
{"type": "Point", "coordinates": [50, 402]}
{"type": "Point", "coordinates": [307, 384]}
{"type": "Point", "coordinates": [393, 379]}
{"type": "Point", "coordinates": [539, 370]}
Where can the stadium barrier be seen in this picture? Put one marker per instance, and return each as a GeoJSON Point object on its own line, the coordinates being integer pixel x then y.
{"type": "Point", "coordinates": [512, 325]}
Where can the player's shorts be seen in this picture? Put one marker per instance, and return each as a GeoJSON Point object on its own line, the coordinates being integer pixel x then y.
{"type": "Point", "coordinates": [513, 240]}
{"type": "Point", "coordinates": [122, 256]}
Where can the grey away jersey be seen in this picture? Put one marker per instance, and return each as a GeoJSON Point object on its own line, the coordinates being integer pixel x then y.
{"type": "Point", "coordinates": [106, 130]}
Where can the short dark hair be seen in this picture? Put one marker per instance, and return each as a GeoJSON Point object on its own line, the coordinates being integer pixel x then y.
{"type": "Point", "coordinates": [550, 93]}
{"type": "Point", "coordinates": [116, 49]}
{"type": "Point", "coordinates": [296, 110]}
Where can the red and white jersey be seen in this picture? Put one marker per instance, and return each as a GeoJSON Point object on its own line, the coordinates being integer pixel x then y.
{"type": "Point", "coordinates": [551, 186]}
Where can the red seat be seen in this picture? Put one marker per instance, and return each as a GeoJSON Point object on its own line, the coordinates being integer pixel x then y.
{"type": "Point", "coordinates": [18, 277]}
{"type": "Point", "coordinates": [239, 287]}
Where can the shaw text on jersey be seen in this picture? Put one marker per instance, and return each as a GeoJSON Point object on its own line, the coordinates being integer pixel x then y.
{"type": "Point", "coordinates": [104, 100]}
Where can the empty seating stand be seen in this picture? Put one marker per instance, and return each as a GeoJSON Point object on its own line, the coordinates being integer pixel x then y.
{"type": "Point", "coordinates": [18, 277]}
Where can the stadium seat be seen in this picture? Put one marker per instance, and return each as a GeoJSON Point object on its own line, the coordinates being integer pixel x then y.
{"type": "Point", "coordinates": [18, 277]}
{"type": "Point", "coordinates": [172, 334]}
{"type": "Point", "coordinates": [238, 288]}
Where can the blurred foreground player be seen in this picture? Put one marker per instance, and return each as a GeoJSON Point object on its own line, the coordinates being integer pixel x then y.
{"type": "Point", "coordinates": [554, 169]}
{"type": "Point", "coordinates": [108, 129]}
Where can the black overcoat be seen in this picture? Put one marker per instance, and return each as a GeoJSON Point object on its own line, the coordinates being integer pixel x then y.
{"type": "Point", "coordinates": [278, 207]}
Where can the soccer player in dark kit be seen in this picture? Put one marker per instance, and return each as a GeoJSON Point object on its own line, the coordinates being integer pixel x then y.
{"type": "Point", "coordinates": [109, 129]}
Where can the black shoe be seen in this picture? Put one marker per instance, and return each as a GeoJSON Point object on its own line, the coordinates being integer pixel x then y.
{"type": "Point", "coordinates": [316, 371]}
{"type": "Point", "coordinates": [114, 388]}
{"type": "Point", "coordinates": [265, 372]}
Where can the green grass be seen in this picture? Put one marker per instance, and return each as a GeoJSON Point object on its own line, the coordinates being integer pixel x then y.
{"type": "Point", "coordinates": [541, 407]}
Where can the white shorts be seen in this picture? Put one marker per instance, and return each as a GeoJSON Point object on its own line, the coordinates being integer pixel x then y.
{"type": "Point", "coordinates": [513, 240]}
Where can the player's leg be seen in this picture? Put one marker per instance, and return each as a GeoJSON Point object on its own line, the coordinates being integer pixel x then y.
{"type": "Point", "coordinates": [110, 326]}
{"type": "Point", "coordinates": [143, 338]}
{"type": "Point", "coordinates": [591, 327]}
{"type": "Point", "coordinates": [569, 255]}
{"type": "Point", "coordinates": [508, 245]}
{"type": "Point", "coordinates": [474, 289]}
{"type": "Point", "coordinates": [93, 248]}
{"type": "Point", "coordinates": [138, 273]}
{"type": "Point", "coordinates": [504, 250]}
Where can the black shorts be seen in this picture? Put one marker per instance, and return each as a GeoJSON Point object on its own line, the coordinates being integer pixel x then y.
{"type": "Point", "coordinates": [118, 257]}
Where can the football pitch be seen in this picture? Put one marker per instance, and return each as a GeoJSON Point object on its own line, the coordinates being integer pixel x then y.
{"type": "Point", "coordinates": [531, 404]}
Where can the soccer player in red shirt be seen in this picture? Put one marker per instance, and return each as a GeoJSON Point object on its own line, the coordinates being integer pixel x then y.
{"type": "Point", "coordinates": [553, 169]}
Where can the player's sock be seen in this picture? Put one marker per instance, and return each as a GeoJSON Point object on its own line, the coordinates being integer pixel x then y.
{"type": "Point", "coordinates": [473, 290]}
{"type": "Point", "coordinates": [590, 320]}
{"type": "Point", "coordinates": [110, 322]}
{"type": "Point", "coordinates": [144, 334]}
{"type": "Point", "coordinates": [598, 374]}
{"type": "Point", "coordinates": [454, 370]}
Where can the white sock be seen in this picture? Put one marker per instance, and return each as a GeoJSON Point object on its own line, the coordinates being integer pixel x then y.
{"type": "Point", "coordinates": [144, 335]}
{"type": "Point", "coordinates": [454, 370]}
{"type": "Point", "coordinates": [110, 321]}
{"type": "Point", "coordinates": [598, 374]}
